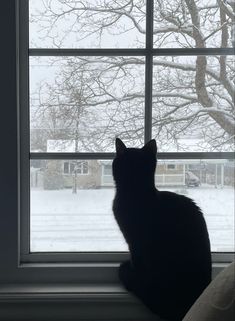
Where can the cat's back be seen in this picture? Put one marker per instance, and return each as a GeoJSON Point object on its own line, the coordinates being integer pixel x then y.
{"type": "Point", "coordinates": [180, 219]}
{"type": "Point", "coordinates": [178, 211]}
{"type": "Point", "coordinates": [176, 203]}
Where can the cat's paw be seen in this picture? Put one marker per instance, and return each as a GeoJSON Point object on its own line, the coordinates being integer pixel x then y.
{"type": "Point", "coordinates": [126, 275]}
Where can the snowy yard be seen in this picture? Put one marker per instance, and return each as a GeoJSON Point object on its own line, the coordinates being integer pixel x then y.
{"type": "Point", "coordinates": [63, 221]}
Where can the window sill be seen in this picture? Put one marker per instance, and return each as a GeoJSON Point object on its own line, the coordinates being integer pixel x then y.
{"type": "Point", "coordinates": [34, 292]}
{"type": "Point", "coordinates": [68, 301]}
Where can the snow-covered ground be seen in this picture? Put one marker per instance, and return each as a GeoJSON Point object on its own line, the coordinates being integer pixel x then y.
{"type": "Point", "coordinates": [63, 221]}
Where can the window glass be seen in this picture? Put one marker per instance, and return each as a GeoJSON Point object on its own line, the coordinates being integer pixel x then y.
{"type": "Point", "coordinates": [198, 23]}
{"type": "Point", "coordinates": [66, 167]}
{"type": "Point", "coordinates": [80, 104]}
{"type": "Point", "coordinates": [70, 213]}
{"type": "Point", "coordinates": [85, 167]}
{"type": "Point", "coordinates": [71, 167]}
{"type": "Point", "coordinates": [87, 24]}
{"type": "Point", "coordinates": [80, 100]}
{"type": "Point", "coordinates": [108, 169]}
{"type": "Point", "coordinates": [171, 166]}
{"type": "Point", "coordinates": [81, 167]}
{"type": "Point", "coordinates": [193, 103]}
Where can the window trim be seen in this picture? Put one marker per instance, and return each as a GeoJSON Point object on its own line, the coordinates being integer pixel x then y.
{"type": "Point", "coordinates": [25, 257]}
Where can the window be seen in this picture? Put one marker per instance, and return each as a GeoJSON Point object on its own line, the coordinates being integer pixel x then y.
{"type": "Point", "coordinates": [67, 168]}
{"type": "Point", "coordinates": [108, 169]}
{"type": "Point", "coordinates": [82, 167]}
{"type": "Point", "coordinates": [171, 166]}
{"type": "Point", "coordinates": [79, 167]}
{"type": "Point", "coordinates": [133, 69]}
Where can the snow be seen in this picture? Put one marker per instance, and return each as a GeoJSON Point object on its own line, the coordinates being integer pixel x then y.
{"type": "Point", "coordinates": [63, 221]}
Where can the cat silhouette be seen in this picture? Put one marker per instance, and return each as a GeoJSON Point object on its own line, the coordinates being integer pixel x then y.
{"type": "Point", "coordinates": [170, 258]}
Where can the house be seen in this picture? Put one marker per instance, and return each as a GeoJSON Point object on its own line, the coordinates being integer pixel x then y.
{"type": "Point", "coordinates": [168, 173]}
{"type": "Point", "coordinates": [92, 173]}
{"type": "Point", "coordinates": [58, 174]}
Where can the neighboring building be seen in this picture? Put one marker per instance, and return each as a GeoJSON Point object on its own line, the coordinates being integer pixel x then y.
{"type": "Point", "coordinates": [175, 172]}
{"type": "Point", "coordinates": [84, 174]}
{"type": "Point", "coordinates": [169, 173]}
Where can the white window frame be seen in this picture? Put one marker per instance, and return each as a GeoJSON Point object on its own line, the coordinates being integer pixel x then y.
{"type": "Point", "coordinates": [101, 266]}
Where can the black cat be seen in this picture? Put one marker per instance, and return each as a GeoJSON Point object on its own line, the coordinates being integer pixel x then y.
{"type": "Point", "coordinates": [166, 233]}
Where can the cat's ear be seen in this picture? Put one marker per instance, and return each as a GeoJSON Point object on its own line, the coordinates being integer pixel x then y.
{"type": "Point", "coordinates": [120, 146]}
{"type": "Point", "coordinates": [151, 147]}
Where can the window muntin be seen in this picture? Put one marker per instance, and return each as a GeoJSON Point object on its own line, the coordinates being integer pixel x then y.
{"type": "Point", "coordinates": [148, 54]}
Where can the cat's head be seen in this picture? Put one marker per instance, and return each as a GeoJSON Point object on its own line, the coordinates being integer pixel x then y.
{"type": "Point", "coordinates": [133, 165]}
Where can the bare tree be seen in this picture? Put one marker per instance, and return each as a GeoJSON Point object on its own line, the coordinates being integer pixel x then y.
{"type": "Point", "coordinates": [97, 98]}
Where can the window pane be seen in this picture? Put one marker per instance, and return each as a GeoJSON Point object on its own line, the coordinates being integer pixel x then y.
{"type": "Point", "coordinates": [80, 166]}
{"type": "Point", "coordinates": [210, 183]}
{"type": "Point", "coordinates": [66, 167]}
{"type": "Point", "coordinates": [85, 167]}
{"type": "Point", "coordinates": [74, 213]}
{"type": "Point", "coordinates": [198, 23]}
{"type": "Point", "coordinates": [71, 167]}
{"type": "Point", "coordinates": [170, 166]}
{"type": "Point", "coordinates": [81, 104]}
{"type": "Point", "coordinates": [193, 103]}
{"type": "Point", "coordinates": [87, 24]}
{"type": "Point", "coordinates": [107, 169]}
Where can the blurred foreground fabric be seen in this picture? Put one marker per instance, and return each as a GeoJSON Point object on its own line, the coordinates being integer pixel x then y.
{"type": "Point", "coordinates": [217, 302]}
